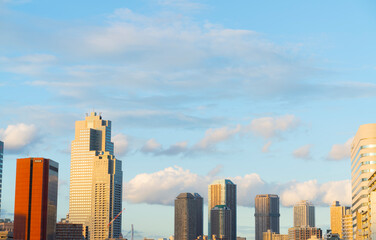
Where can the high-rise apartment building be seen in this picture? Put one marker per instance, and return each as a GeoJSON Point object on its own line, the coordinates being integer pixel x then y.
{"type": "Point", "coordinates": [363, 164]}
{"type": "Point", "coordinates": [221, 225]}
{"type": "Point", "coordinates": [1, 169]}
{"type": "Point", "coordinates": [36, 199]}
{"type": "Point", "coordinates": [347, 225]}
{"type": "Point", "coordinates": [337, 213]}
{"type": "Point", "coordinates": [266, 214]}
{"type": "Point", "coordinates": [269, 235]}
{"type": "Point", "coordinates": [95, 196]}
{"type": "Point", "coordinates": [188, 216]}
{"type": "Point", "coordinates": [304, 233]}
{"type": "Point", "coordinates": [222, 192]}
{"type": "Point", "coordinates": [304, 214]}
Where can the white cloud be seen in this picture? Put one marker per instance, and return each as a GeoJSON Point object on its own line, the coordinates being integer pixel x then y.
{"type": "Point", "coordinates": [341, 151]}
{"type": "Point", "coordinates": [214, 136]}
{"type": "Point", "coordinates": [266, 147]}
{"type": "Point", "coordinates": [18, 137]}
{"type": "Point", "coordinates": [121, 144]}
{"type": "Point", "coordinates": [163, 186]}
{"type": "Point", "coordinates": [269, 127]}
{"type": "Point", "coordinates": [303, 152]}
{"type": "Point", "coordinates": [151, 146]}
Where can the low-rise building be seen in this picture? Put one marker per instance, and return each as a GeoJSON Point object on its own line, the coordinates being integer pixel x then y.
{"type": "Point", "coordinates": [304, 233]}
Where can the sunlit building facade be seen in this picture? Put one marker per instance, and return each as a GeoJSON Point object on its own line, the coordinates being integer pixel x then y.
{"type": "Point", "coordinates": [35, 199]}
{"type": "Point", "coordinates": [337, 213]}
{"type": "Point", "coordinates": [363, 164]}
{"type": "Point", "coordinates": [222, 192]}
{"type": "Point", "coordinates": [95, 179]}
{"type": "Point", "coordinates": [304, 214]}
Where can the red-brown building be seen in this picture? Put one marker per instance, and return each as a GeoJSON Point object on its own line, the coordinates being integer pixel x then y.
{"type": "Point", "coordinates": [36, 199]}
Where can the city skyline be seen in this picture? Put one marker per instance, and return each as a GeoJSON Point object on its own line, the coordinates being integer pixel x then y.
{"type": "Point", "coordinates": [197, 90]}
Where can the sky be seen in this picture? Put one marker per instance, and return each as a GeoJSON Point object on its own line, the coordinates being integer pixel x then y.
{"type": "Point", "coordinates": [268, 94]}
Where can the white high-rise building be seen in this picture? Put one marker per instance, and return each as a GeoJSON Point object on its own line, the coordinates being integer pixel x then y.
{"type": "Point", "coordinates": [304, 214]}
{"type": "Point", "coordinates": [95, 179]}
{"type": "Point", "coordinates": [363, 164]}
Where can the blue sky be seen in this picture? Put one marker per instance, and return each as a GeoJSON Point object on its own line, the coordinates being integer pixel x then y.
{"type": "Point", "coordinates": [267, 93]}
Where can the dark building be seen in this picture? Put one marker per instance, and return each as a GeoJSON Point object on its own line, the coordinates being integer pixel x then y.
{"type": "Point", "coordinates": [188, 216]}
{"type": "Point", "coordinates": [266, 214]}
{"type": "Point", "coordinates": [36, 199]}
{"type": "Point", "coordinates": [69, 231]}
{"type": "Point", "coordinates": [220, 223]}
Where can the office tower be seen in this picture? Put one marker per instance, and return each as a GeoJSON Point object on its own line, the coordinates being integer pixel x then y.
{"type": "Point", "coordinates": [1, 169]}
{"type": "Point", "coordinates": [337, 213]}
{"type": "Point", "coordinates": [363, 164]}
{"type": "Point", "coordinates": [266, 214]}
{"type": "Point", "coordinates": [96, 179]}
{"type": "Point", "coordinates": [223, 192]}
{"type": "Point", "coordinates": [36, 199]}
{"type": "Point", "coordinates": [304, 214]}
{"type": "Point", "coordinates": [188, 216]}
{"type": "Point", "coordinates": [347, 225]}
{"type": "Point", "coordinates": [68, 231]}
{"type": "Point", "coordinates": [304, 233]}
{"type": "Point", "coordinates": [221, 223]}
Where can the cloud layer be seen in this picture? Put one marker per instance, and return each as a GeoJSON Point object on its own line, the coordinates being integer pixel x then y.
{"type": "Point", "coordinates": [163, 186]}
{"type": "Point", "coordinates": [267, 127]}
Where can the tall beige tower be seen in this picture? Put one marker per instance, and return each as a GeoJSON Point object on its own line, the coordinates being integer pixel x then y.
{"type": "Point", "coordinates": [363, 164]}
{"type": "Point", "coordinates": [95, 179]}
{"type": "Point", "coordinates": [337, 213]}
{"type": "Point", "coordinates": [304, 214]}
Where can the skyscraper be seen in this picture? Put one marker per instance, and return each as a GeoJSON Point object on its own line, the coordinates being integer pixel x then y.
{"type": "Point", "coordinates": [223, 192]}
{"type": "Point", "coordinates": [337, 213]}
{"type": "Point", "coordinates": [266, 214]}
{"type": "Point", "coordinates": [36, 199]}
{"type": "Point", "coordinates": [1, 169]}
{"type": "Point", "coordinates": [221, 225]}
{"type": "Point", "coordinates": [188, 216]}
{"type": "Point", "coordinates": [304, 214]}
{"type": "Point", "coordinates": [95, 179]}
{"type": "Point", "coordinates": [363, 164]}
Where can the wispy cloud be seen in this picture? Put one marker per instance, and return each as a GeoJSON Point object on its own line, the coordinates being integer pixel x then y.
{"type": "Point", "coordinates": [303, 152]}
{"type": "Point", "coordinates": [340, 151]}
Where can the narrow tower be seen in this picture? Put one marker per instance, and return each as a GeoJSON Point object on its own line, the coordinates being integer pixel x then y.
{"type": "Point", "coordinates": [304, 214]}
